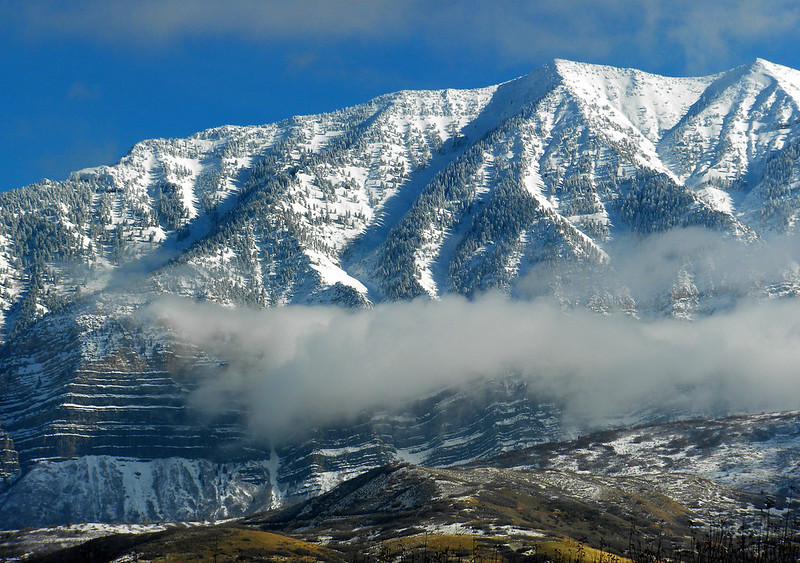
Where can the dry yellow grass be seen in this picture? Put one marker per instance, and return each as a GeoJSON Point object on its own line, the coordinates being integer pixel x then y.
{"type": "Point", "coordinates": [204, 544]}
{"type": "Point", "coordinates": [433, 542]}
{"type": "Point", "coordinates": [572, 549]}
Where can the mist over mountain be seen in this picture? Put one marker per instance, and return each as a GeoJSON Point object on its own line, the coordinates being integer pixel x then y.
{"type": "Point", "coordinates": [293, 372]}
{"type": "Point", "coordinates": [247, 316]}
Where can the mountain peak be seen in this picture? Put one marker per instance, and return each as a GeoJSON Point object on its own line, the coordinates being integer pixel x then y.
{"type": "Point", "coordinates": [762, 69]}
{"type": "Point", "coordinates": [768, 66]}
{"type": "Point", "coordinates": [517, 188]}
{"type": "Point", "coordinates": [633, 99]}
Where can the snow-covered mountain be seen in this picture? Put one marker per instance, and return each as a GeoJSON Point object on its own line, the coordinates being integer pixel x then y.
{"type": "Point", "coordinates": [417, 193]}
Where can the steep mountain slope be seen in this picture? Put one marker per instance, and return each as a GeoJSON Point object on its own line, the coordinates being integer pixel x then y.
{"type": "Point", "coordinates": [755, 453]}
{"type": "Point", "coordinates": [520, 187]}
{"type": "Point", "coordinates": [403, 510]}
{"type": "Point", "coordinates": [742, 117]}
{"type": "Point", "coordinates": [127, 451]}
{"type": "Point", "coordinates": [412, 193]}
{"type": "Point", "coordinates": [526, 506]}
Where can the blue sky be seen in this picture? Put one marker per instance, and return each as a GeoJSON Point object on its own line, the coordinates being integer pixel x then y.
{"type": "Point", "coordinates": [82, 81]}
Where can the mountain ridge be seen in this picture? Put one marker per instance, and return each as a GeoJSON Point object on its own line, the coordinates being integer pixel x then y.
{"type": "Point", "coordinates": [529, 188]}
{"type": "Point", "coordinates": [527, 89]}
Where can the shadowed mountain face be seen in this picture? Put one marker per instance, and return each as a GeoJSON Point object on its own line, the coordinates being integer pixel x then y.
{"type": "Point", "coordinates": [570, 182]}
{"type": "Point", "coordinates": [397, 501]}
{"type": "Point", "coordinates": [399, 511]}
{"type": "Point", "coordinates": [658, 489]}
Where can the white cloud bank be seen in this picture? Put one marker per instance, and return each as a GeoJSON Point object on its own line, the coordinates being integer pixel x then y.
{"type": "Point", "coordinates": [295, 368]}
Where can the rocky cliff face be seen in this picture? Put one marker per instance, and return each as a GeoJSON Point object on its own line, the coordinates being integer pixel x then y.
{"type": "Point", "coordinates": [753, 453]}
{"type": "Point", "coordinates": [119, 440]}
{"type": "Point", "coordinates": [9, 461]}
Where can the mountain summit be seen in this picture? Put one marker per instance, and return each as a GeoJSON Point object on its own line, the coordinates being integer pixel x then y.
{"type": "Point", "coordinates": [393, 198]}
{"type": "Point", "coordinates": [522, 188]}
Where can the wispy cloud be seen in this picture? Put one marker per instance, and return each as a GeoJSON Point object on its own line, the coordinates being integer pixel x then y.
{"type": "Point", "coordinates": [79, 91]}
{"type": "Point", "coordinates": [708, 35]}
{"type": "Point", "coordinates": [168, 20]}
